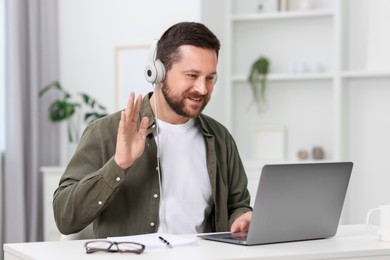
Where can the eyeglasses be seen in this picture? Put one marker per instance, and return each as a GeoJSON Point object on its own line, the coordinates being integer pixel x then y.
{"type": "Point", "coordinates": [112, 247]}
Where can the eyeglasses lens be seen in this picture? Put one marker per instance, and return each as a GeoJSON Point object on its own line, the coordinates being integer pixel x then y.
{"type": "Point", "coordinates": [99, 245]}
{"type": "Point", "coordinates": [129, 246]}
{"type": "Point", "coordinates": [108, 246]}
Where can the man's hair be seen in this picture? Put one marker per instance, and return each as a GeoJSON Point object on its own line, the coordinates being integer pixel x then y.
{"type": "Point", "coordinates": [184, 33]}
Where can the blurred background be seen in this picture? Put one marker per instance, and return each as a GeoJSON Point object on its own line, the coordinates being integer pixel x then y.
{"type": "Point", "coordinates": [326, 89]}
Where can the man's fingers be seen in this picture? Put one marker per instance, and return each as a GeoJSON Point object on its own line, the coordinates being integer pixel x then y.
{"type": "Point", "coordinates": [132, 109]}
{"type": "Point", "coordinates": [243, 226]}
{"type": "Point", "coordinates": [144, 126]}
{"type": "Point", "coordinates": [122, 122]}
{"type": "Point", "coordinates": [129, 107]}
{"type": "Point", "coordinates": [242, 223]}
{"type": "Point", "coordinates": [137, 108]}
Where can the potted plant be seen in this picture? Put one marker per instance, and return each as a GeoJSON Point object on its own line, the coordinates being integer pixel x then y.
{"type": "Point", "coordinates": [64, 108]}
{"type": "Point", "coordinates": [257, 79]}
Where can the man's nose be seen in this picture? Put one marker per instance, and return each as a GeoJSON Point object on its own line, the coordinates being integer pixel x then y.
{"type": "Point", "coordinates": [201, 86]}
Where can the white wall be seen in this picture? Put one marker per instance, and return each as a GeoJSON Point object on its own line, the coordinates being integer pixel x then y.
{"type": "Point", "coordinates": [213, 14]}
{"type": "Point", "coordinates": [90, 30]}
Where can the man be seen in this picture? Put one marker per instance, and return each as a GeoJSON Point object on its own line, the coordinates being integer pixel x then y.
{"type": "Point", "coordinates": [159, 165]}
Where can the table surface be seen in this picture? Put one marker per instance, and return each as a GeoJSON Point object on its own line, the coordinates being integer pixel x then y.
{"type": "Point", "coordinates": [351, 241]}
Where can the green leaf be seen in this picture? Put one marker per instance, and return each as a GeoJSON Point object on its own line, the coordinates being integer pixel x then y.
{"type": "Point", "coordinates": [257, 78]}
{"type": "Point", "coordinates": [61, 110]}
{"type": "Point", "coordinates": [90, 117]}
{"type": "Point", "coordinates": [64, 108]}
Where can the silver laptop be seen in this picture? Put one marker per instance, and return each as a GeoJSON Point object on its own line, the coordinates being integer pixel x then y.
{"type": "Point", "coordinates": [295, 202]}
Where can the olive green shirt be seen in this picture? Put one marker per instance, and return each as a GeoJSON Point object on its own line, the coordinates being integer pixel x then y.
{"type": "Point", "coordinates": [126, 202]}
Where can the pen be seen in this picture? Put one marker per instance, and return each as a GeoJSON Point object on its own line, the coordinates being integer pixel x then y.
{"type": "Point", "coordinates": [166, 242]}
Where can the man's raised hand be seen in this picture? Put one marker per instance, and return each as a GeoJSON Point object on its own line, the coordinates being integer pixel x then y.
{"type": "Point", "coordinates": [130, 142]}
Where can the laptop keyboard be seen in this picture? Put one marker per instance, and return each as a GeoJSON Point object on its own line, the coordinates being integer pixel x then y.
{"type": "Point", "coordinates": [237, 236]}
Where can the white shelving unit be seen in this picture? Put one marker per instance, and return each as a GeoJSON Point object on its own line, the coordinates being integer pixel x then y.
{"type": "Point", "coordinates": [259, 34]}
{"type": "Point", "coordinates": [247, 30]}
{"type": "Point", "coordinates": [326, 107]}
{"type": "Point", "coordinates": [284, 15]}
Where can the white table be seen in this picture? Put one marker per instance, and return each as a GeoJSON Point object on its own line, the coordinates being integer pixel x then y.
{"type": "Point", "coordinates": [351, 242]}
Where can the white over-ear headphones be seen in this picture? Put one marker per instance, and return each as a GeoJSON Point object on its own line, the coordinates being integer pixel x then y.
{"type": "Point", "coordinates": [154, 70]}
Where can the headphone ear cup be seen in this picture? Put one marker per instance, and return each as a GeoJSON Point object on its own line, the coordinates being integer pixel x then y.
{"type": "Point", "coordinates": [154, 70]}
{"type": "Point", "coordinates": [160, 71]}
{"type": "Point", "coordinates": [150, 73]}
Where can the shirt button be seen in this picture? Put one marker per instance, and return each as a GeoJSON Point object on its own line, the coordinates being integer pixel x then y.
{"type": "Point", "coordinates": [152, 224]}
{"type": "Point", "coordinates": [155, 196]}
{"type": "Point", "coordinates": [100, 202]}
{"type": "Point", "coordinates": [118, 178]}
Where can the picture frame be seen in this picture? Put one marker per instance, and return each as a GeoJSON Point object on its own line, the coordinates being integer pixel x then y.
{"type": "Point", "coordinates": [269, 143]}
{"type": "Point", "coordinates": [130, 62]}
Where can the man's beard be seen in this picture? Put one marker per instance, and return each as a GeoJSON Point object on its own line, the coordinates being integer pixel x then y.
{"type": "Point", "coordinates": [178, 105]}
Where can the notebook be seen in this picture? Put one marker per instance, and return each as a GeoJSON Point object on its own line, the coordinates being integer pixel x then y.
{"type": "Point", "coordinates": [158, 240]}
{"type": "Point", "coordinates": [294, 202]}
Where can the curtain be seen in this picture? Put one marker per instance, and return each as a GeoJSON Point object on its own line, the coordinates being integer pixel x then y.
{"type": "Point", "coordinates": [31, 141]}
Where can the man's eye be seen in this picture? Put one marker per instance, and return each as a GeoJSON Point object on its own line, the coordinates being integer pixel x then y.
{"type": "Point", "coordinates": [192, 76]}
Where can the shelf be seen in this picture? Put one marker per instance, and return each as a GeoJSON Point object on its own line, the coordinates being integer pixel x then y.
{"type": "Point", "coordinates": [289, 77]}
{"type": "Point", "coordinates": [319, 76]}
{"type": "Point", "coordinates": [282, 15]}
{"type": "Point", "coordinates": [365, 74]}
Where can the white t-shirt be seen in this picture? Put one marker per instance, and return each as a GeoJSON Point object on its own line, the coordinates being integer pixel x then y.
{"type": "Point", "coordinates": [186, 200]}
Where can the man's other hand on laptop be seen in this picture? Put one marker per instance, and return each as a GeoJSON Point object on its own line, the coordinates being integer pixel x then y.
{"type": "Point", "coordinates": [241, 224]}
